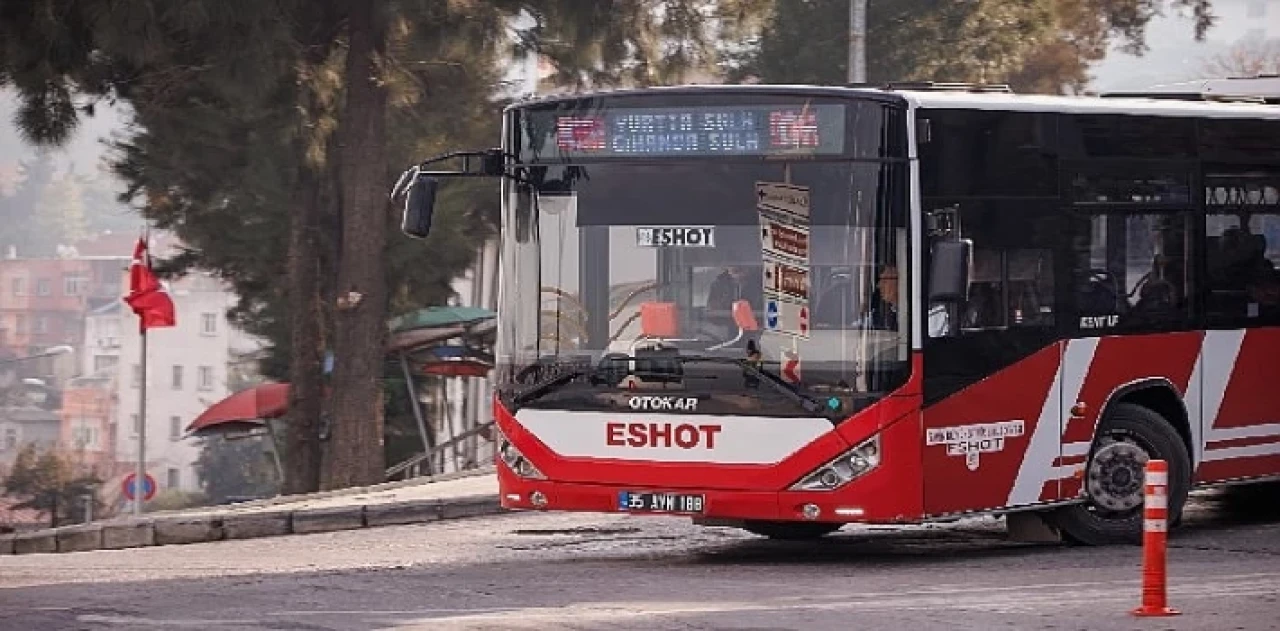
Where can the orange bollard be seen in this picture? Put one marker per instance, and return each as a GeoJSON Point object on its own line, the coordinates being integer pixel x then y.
{"type": "Point", "coordinates": [1155, 527]}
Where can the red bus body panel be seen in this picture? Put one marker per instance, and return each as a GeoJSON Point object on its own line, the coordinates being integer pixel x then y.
{"type": "Point", "coordinates": [1039, 415]}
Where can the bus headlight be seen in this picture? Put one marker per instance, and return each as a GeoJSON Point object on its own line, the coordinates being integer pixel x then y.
{"type": "Point", "coordinates": [515, 460]}
{"type": "Point", "coordinates": [844, 469]}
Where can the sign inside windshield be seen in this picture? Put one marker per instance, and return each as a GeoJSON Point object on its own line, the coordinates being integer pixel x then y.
{"type": "Point", "coordinates": [784, 253]}
{"type": "Point", "coordinates": [676, 237]}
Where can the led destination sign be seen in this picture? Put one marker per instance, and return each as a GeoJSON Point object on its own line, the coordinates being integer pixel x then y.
{"type": "Point", "coordinates": [808, 129]}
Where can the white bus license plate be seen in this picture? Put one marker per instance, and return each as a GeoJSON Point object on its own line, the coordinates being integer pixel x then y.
{"type": "Point", "coordinates": [661, 502]}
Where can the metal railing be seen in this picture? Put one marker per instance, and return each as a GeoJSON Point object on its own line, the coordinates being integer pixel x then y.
{"type": "Point", "coordinates": [413, 467]}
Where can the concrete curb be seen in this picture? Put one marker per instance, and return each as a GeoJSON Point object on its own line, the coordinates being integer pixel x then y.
{"type": "Point", "coordinates": [79, 538]}
{"type": "Point", "coordinates": [183, 529]}
{"type": "Point", "coordinates": [322, 495]}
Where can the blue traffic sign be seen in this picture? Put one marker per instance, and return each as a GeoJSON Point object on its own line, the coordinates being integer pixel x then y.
{"type": "Point", "coordinates": [771, 314]}
{"type": "Point", "coordinates": [148, 486]}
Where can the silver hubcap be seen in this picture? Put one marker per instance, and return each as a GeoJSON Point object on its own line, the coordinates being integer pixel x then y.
{"type": "Point", "coordinates": [1114, 478]}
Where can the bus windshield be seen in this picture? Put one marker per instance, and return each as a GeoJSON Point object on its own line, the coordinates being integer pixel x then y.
{"type": "Point", "coordinates": [608, 258]}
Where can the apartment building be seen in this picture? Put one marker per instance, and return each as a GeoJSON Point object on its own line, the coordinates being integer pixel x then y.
{"type": "Point", "coordinates": [186, 372]}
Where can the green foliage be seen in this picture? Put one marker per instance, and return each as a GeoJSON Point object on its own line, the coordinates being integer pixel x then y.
{"type": "Point", "coordinates": [235, 468]}
{"type": "Point", "coordinates": [634, 42]}
{"type": "Point", "coordinates": [48, 482]}
{"type": "Point", "coordinates": [1039, 45]}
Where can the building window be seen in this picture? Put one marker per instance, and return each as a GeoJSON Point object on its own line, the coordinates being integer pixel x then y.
{"type": "Point", "coordinates": [85, 437]}
{"type": "Point", "coordinates": [209, 324]}
{"type": "Point", "coordinates": [20, 324]}
{"type": "Point", "coordinates": [175, 427]}
{"type": "Point", "coordinates": [136, 379]}
{"type": "Point", "coordinates": [204, 376]}
{"type": "Point", "coordinates": [10, 438]}
{"type": "Point", "coordinates": [73, 285]}
{"type": "Point", "coordinates": [42, 325]}
{"type": "Point", "coordinates": [1257, 9]}
{"type": "Point", "coordinates": [174, 478]}
{"type": "Point", "coordinates": [43, 287]}
{"type": "Point", "coordinates": [19, 286]}
{"type": "Point", "coordinates": [177, 377]}
{"type": "Point", "coordinates": [102, 363]}
{"type": "Point", "coordinates": [136, 422]}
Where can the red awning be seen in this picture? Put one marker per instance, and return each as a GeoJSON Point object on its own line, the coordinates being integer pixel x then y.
{"type": "Point", "coordinates": [247, 407]}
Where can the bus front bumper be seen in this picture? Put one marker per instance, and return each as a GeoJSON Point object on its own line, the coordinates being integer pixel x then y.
{"type": "Point", "coordinates": [710, 506]}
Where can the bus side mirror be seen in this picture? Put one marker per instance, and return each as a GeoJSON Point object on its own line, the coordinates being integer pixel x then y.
{"type": "Point", "coordinates": [949, 272]}
{"type": "Point", "coordinates": [419, 206]}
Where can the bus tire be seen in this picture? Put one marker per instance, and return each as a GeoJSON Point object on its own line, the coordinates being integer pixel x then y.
{"type": "Point", "coordinates": [790, 530]}
{"type": "Point", "coordinates": [1113, 482]}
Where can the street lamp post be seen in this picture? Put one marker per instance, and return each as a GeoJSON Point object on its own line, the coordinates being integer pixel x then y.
{"type": "Point", "coordinates": [857, 41]}
{"type": "Point", "coordinates": [6, 375]}
{"type": "Point", "coordinates": [52, 351]}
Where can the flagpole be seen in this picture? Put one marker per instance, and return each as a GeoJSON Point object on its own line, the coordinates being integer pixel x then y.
{"type": "Point", "coordinates": [154, 308]}
{"type": "Point", "coordinates": [140, 472]}
{"type": "Point", "coordinates": [140, 468]}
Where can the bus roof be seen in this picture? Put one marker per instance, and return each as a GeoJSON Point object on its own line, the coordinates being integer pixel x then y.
{"type": "Point", "coordinates": [1126, 105]}
{"type": "Point", "coordinates": [1160, 101]}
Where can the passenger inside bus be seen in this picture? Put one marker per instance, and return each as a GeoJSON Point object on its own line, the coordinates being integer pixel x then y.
{"type": "Point", "coordinates": [882, 309]}
{"type": "Point", "coordinates": [725, 289]}
{"type": "Point", "coordinates": [1157, 295]}
{"type": "Point", "coordinates": [1264, 292]}
{"type": "Point", "coordinates": [1238, 268]}
{"type": "Point", "coordinates": [733, 283]}
{"type": "Point", "coordinates": [837, 305]}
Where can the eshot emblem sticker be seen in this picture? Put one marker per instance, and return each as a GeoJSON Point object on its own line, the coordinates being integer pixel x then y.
{"type": "Point", "coordinates": [971, 441]}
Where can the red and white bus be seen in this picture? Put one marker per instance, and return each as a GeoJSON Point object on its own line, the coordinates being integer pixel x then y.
{"type": "Point", "coordinates": [788, 308]}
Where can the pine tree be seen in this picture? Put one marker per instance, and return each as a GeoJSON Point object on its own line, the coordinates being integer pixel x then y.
{"type": "Point", "coordinates": [1035, 45]}
{"type": "Point", "coordinates": [265, 134]}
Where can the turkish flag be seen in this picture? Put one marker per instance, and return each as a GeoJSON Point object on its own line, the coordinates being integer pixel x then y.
{"type": "Point", "coordinates": [147, 297]}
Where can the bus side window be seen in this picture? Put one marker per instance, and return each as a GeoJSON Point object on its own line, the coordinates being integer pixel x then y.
{"type": "Point", "coordinates": [1131, 270]}
{"type": "Point", "coordinates": [1243, 283]}
{"type": "Point", "coordinates": [1009, 288]}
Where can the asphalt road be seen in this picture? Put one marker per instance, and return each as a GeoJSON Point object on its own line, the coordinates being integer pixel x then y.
{"type": "Point", "coordinates": [532, 571]}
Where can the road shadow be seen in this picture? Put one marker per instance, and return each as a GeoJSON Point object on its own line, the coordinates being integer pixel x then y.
{"type": "Point", "coordinates": [1240, 505]}
{"type": "Point", "coordinates": [1211, 514]}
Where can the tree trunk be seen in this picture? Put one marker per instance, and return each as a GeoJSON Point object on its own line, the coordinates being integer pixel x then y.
{"type": "Point", "coordinates": [355, 447]}
{"type": "Point", "coordinates": [302, 455]}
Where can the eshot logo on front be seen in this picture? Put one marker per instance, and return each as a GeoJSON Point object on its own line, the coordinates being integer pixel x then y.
{"type": "Point", "coordinates": [662, 435]}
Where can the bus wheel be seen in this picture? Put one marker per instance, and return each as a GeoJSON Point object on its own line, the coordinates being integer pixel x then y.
{"type": "Point", "coordinates": [1113, 478]}
{"type": "Point", "coordinates": [790, 531]}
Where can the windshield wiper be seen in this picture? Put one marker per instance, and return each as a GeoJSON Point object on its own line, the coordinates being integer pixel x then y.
{"type": "Point", "coordinates": [809, 404]}
{"type": "Point", "coordinates": [549, 385]}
